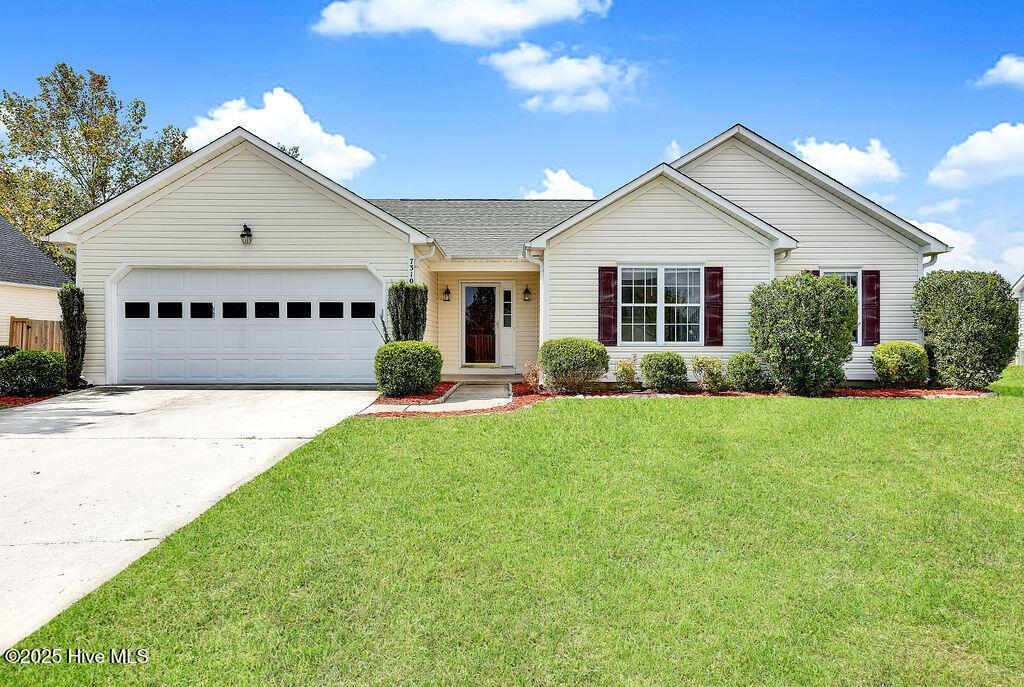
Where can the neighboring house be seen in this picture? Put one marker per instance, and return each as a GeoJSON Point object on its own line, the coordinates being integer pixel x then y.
{"type": "Point", "coordinates": [1018, 291]}
{"type": "Point", "coordinates": [668, 261]}
{"type": "Point", "coordinates": [29, 281]}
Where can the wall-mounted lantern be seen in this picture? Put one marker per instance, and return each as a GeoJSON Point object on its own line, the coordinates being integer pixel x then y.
{"type": "Point", "coordinates": [447, 295]}
{"type": "Point", "coordinates": [246, 235]}
{"type": "Point", "coordinates": [526, 294]}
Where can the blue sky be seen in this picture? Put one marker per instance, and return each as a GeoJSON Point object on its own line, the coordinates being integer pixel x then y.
{"type": "Point", "coordinates": [412, 98]}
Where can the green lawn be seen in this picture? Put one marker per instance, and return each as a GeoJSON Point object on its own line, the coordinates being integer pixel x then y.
{"type": "Point", "coordinates": [703, 541]}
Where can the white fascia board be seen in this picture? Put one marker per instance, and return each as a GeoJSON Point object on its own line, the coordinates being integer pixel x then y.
{"type": "Point", "coordinates": [1018, 288]}
{"type": "Point", "coordinates": [70, 231]}
{"type": "Point", "coordinates": [929, 243]}
{"type": "Point", "coordinates": [779, 239]}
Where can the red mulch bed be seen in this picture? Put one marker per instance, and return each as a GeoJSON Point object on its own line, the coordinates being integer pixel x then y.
{"type": "Point", "coordinates": [853, 392]}
{"type": "Point", "coordinates": [12, 401]}
{"type": "Point", "coordinates": [436, 393]}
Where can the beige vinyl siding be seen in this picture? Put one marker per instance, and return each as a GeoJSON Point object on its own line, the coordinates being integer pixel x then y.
{"type": "Point", "coordinates": [449, 315]}
{"type": "Point", "coordinates": [33, 302]}
{"type": "Point", "coordinates": [659, 224]}
{"type": "Point", "coordinates": [831, 234]}
{"type": "Point", "coordinates": [198, 218]}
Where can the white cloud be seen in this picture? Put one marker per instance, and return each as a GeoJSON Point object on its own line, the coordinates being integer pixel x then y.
{"type": "Point", "coordinates": [883, 198]}
{"type": "Point", "coordinates": [850, 165]}
{"type": "Point", "coordinates": [1009, 70]}
{"type": "Point", "coordinates": [944, 207]}
{"type": "Point", "coordinates": [985, 157]}
{"type": "Point", "coordinates": [966, 252]}
{"type": "Point", "coordinates": [283, 119]}
{"type": "Point", "coordinates": [476, 22]}
{"type": "Point", "coordinates": [563, 84]}
{"type": "Point", "coordinates": [560, 185]}
{"type": "Point", "coordinates": [1014, 257]}
{"type": "Point", "coordinates": [673, 151]}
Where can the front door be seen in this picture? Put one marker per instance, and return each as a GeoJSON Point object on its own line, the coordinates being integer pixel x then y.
{"type": "Point", "coordinates": [479, 327]}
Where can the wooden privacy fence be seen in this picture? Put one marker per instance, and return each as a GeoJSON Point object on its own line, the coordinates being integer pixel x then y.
{"type": "Point", "coordinates": [43, 335]}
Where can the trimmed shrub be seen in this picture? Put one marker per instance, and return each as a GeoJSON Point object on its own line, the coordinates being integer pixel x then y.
{"type": "Point", "coordinates": [7, 350]}
{"type": "Point", "coordinates": [745, 373]}
{"type": "Point", "coordinates": [32, 373]}
{"type": "Point", "coordinates": [72, 326]}
{"type": "Point", "coordinates": [404, 368]}
{"type": "Point", "coordinates": [801, 329]}
{"type": "Point", "coordinates": [664, 371]}
{"type": "Point", "coordinates": [970, 322]}
{"type": "Point", "coordinates": [625, 372]}
{"type": "Point", "coordinates": [407, 310]}
{"type": "Point", "coordinates": [902, 364]}
{"type": "Point", "coordinates": [531, 375]}
{"type": "Point", "coordinates": [709, 371]}
{"type": "Point", "coordinates": [572, 364]}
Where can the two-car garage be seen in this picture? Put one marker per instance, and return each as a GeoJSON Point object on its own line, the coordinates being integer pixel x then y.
{"type": "Point", "coordinates": [246, 326]}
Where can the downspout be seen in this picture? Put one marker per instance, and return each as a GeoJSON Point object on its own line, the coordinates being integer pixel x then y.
{"type": "Point", "coordinates": [932, 257]}
{"type": "Point", "coordinates": [543, 314]}
{"type": "Point", "coordinates": [418, 259]}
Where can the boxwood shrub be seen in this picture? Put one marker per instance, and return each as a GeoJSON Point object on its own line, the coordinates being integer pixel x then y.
{"type": "Point", "coordinates": [970, 325]}
{"type": "Point", "coordinates": [572, 364]}
{"type": "Point", "coordinates": [7, 350]}
{"type": "Point", "coordinates": [709, 371]}
{"type": "Point", "coordinates": [404, 368]}
{"type": "Point", "coordinates": [902, 364]}
{"type": "Point", "coordinates": [745, 373]}
{"type": "Point", "coordinates": [32, 373]}
{"type": "Point", "coordinates": [664, 371]}
{"type": "Point", "coordinates": [801, 328]}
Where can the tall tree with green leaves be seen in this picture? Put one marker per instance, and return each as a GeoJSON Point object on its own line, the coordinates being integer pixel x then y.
{"type": "Point", "coordinates": [71, 147]}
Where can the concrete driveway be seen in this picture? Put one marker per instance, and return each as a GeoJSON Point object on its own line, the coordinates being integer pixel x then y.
{"type": "Point", "coordinates": [91, 481]}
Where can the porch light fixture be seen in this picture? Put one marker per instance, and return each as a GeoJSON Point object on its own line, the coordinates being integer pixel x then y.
{"type": "Point", "coordinates": [526, 294]}
{"type": "Point", "coordinates": [447, 293]}
{"type": "Point", "coordinates": [246, 235]}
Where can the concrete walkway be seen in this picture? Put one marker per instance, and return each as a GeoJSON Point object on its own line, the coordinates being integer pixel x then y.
{"type": "Point", "coordinates": [469, 396]}
{"type": "Point", "coordinates": [91, 481]}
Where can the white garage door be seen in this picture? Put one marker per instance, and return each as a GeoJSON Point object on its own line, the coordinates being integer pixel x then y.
{"type": "Point", "coordinates": [195, 326]}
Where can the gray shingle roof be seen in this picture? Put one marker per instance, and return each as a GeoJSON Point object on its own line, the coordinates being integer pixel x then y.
{"type": "Point", "coordinates": [482, 228]}
{"type": "Point", "coordinates": [22, 263]}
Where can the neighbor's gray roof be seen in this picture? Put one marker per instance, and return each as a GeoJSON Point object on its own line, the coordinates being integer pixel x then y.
{"type": "Point", "coordinates": [482, 228]}
{"type": "Point", "coordinates": [22, 263]}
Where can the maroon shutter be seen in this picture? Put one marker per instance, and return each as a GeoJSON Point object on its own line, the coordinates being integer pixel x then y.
{"type": "Point", "coordinates": [870, 306]}
{"type": "Point", "coordinates": [712, 306]}
{"type": "Point", "coordinates": [607, 305]}
{"type": "Point", "coordinates": [815, 273]}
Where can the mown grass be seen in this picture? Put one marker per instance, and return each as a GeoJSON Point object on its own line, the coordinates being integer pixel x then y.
{"type": "Point", "coordinates": [703, 541]}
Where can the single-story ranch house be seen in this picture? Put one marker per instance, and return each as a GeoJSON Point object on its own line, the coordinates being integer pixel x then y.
{"type": "Point", "coordinates": [240, 264]}
{"type": "Point", "coordinates": [29, 281]}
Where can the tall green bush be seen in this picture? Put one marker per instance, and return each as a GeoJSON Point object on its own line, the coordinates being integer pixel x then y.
{"type": "Point", "coordinates": [970, 325]}
{"type": "Point", "coordinates": [72, 325]}
{"type": "Point", "coordinates": [407, 309]}
{"type": "Point", "coordinates": [32, 373]}
{"type": "Point", "coordinates": [572, 364]}
{"type": "Point", "coordinates": [800, 329]}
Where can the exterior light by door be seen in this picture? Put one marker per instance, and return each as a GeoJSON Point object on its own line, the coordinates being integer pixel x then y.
{"type": "Point", "coordinates": [447, 293]}
{"type": "Point", "coordinates": [526, 293]}
{"type": "Point", "coordinates": [246, 235]}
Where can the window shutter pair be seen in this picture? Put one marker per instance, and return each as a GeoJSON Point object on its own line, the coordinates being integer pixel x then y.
{"type": "Point", "coordinates": [608, 305]}
{"type": "Point", "coordinates": [870, 305]}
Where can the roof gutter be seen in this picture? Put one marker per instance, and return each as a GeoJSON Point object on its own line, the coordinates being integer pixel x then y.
{"type": "Point", "coordinates": [420, 258]}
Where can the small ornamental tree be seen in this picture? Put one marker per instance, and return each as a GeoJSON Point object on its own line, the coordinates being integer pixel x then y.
{"type": "Point", "coordinates": [407, 310]}
{"type": "Point", "coordinates": [801, 329]}
{"type": "Point", "coordinates": [73, 321]}
{"type": "Point", "coordinates": [970, 325]}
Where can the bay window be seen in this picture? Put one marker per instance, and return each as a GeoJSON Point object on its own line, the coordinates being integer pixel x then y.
{"type": "Point", "coordinates": [660, 305]}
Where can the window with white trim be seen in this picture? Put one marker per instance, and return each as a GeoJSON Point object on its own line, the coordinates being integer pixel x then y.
{"type": "Point", "coordinates": [661, 305]}
{"type": "Point", "coordinates": [852, 279]}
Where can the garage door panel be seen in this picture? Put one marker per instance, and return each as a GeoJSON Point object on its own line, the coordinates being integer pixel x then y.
{"type": "Point", "coordinates": [241, 350]}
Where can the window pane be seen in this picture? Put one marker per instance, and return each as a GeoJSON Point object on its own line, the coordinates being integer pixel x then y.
{"type": "Point", "coordinates": [200, 311]}
{"type": "Point", "coordinates": [169, 310]}
{"type": "Point", "coordinates": [234, 311]}
{"type": "Point", "coordinates": [136, 311]}
{"type": "Point", "coordinates": [682, 285]}
{"type": "Point", "coordinates": [364, 310]}
{"type": "Point", "coordinates": [300, 310]}
{"type": "Point", "coordinates": [682, 323]}
{"type": "Point", "coordinates": [332, 310]}
{"type": "Point", "coordinates": [267, 310]}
